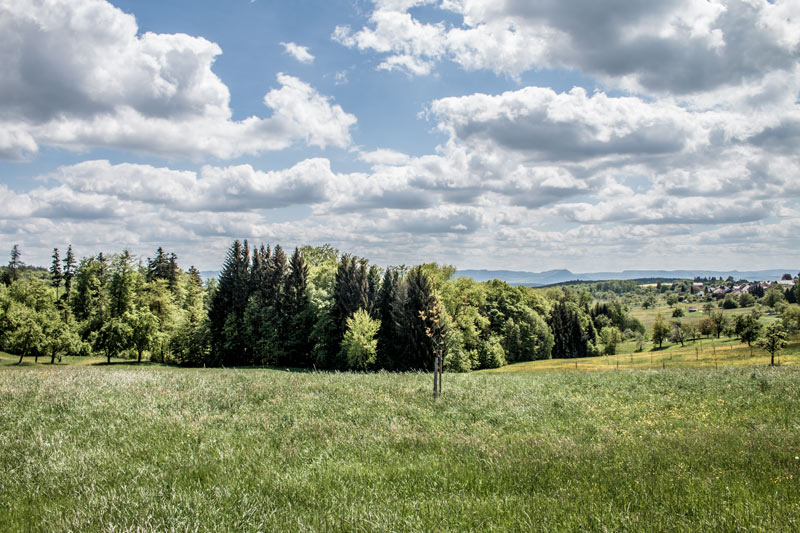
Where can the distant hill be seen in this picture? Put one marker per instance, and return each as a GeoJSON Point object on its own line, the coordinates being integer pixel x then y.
{"type": "Point", "coordinates": [550, 277]}
{"type": "Point", "coordinates": [209, 274]}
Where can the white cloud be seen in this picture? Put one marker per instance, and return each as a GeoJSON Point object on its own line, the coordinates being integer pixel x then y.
{"type": "Point", "coordinates": [298, 52]}
{"type": "Point", "coordinates": [76, 75]}
{"type": "Point", "coordinates": [680, 47]}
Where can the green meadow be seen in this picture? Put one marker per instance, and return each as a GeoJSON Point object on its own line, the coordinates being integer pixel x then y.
{"type": "Point", "coordinates": [123, 447]}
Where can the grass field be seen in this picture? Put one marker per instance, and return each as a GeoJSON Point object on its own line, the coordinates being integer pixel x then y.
{"type": "Point", "coordinates": [127, 448]}
{"type": "Point", "coordinates": [702, 353]}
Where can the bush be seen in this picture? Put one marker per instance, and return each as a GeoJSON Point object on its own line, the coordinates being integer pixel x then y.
{"type": "Point", "coordinates": [729, 302]}
{"type": "Point", "coordinates": [359, 344]}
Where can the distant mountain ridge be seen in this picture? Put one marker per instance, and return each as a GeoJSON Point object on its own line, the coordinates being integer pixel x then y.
{"type": "Point", "coordinates": [549, 277]}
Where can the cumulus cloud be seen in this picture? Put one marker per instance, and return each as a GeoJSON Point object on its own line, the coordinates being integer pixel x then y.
{"type": "Point", "coordinates": [677, 47]}
{"type": "Point", "coordinates": [76, 74]}
{"type": "Point", "coordinates": [298, 52]}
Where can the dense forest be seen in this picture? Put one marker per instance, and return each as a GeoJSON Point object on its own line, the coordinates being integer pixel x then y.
{"type": "Point", "coordinates": [315, 308]}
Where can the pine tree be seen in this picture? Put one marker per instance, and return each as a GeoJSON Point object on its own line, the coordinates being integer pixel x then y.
{"type": "Point", "coordinates": [56, 276]}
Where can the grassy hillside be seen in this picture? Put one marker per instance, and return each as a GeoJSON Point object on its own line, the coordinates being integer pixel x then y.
{"type": "Point", "coordinates": [128, 448]}
{"type": "Point", "coordinates": [702, 353]}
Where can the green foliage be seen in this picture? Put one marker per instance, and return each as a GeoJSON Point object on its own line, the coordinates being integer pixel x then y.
{"type": "Point", "coordinates": [746, 300]}
{"type": "Point", "coordinates": [660, 332]}
{"type": "Point", "coordinates": [115, 336]}
{"type": "Point", "coordinates": [610, 336]}
{"type": "Point", "coordinates": [729, 302]}
{"type": "Point", "coordinates": [791, 319]}
{"type": "Point", "coordinates": [359, 343]}
{"type": "Point", "coordinates": [773, 296]}
{"type": "Point", "coordinates": [491, 353]}
{"type": "Point", "coordinates": [677, 312]}
{"type": "Point", "coordinates": [718, 322]}
{"type": "Point", "coordinates": [572, 329]}
{"type": "Point", "coordinates": [748, 328]}
{"type": "Point", "coordinates": [773, 340]}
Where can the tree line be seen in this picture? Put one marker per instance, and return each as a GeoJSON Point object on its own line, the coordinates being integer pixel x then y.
{"type": "Point", "coordinates": [312, 308]}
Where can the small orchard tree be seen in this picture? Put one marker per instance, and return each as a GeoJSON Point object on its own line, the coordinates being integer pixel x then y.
{"type": "Point", "coordinates": [115, 336]}
{"type": "Point", "coordinates": [718, 321]}
{"type": "Point", "coordinates": [359, 344]}
{"type": "Point", "coordinates": [610, 336]}
{"type": "Point", "coordinates": [773, 340]}
{"type": "Point", "coordinates": [679, 332]}
{"type": "Point", "coordinates": [660, 330]}
{"type": "Point", "coordinates": [435, 321]}
{"type": "Point", "coordinates": [144, 331]}
{"type": "Point", "coordinates": [748, 328]}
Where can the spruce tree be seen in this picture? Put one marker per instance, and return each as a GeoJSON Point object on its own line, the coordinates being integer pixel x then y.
{"type": "Point", "coordinates": [414, 297]}
{"type": "Point", "coordinates": [15, 264]}
{"type": "Point", "coordinates": [227, 307]}
{"type": "Point", "coordinates": [299, 313]}
{"type": "Point", "coordinates": [56, 275]}
{"type": "Point", "coordinates": [69, 271]}
{"type": "Point", "coordinates": [388, 343]}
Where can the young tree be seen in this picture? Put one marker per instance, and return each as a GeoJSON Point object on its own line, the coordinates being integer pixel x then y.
{"type": "Point", "coordinates": [436, 329]}
{"type": "Point", "coordinates": [660, 330]}
{"type": "Point", "coordinates": [773, 340]}
{"type": "Point", "coordinates": [359, 343]}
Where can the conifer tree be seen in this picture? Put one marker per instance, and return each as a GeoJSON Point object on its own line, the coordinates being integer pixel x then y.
{"type": "Point", "coordinates": [69, 271]}
{"type": "Point", "coordinates": [56, 276]}
{"type": "Point", "coordinates": [388, 343]}
{"type": "Point", "coordinates": [299, 312]}
{"type": "Point", "coordinates": [415, 296]}
{"type": "Point", "coordinates": [14, 264]}
{"type": "Point", "coordinates": [227, 307]}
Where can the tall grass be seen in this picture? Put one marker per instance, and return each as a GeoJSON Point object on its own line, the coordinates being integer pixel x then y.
{"type": "Point", "coordinates": [120, 448]}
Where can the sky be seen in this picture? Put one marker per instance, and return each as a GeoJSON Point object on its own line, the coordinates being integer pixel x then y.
{"type": "Point", "coordinates": [498, 134]}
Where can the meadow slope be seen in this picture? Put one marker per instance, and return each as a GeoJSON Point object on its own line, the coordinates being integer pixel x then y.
{"type": "Point", "coordinates": [155, 448]}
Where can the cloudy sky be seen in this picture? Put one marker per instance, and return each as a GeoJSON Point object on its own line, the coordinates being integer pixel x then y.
{"type": "Point", "coordinates": [482, 133]}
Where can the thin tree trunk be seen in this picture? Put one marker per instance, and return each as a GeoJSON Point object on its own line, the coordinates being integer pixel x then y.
{"type": "Point", "coordinates": [435, 376]}
{"type": "Point", "coordinates": [441, 367]}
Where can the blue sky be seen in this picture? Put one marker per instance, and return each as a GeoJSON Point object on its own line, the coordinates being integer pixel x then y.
{"type": "Point", "coordinates": [486, 134]}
